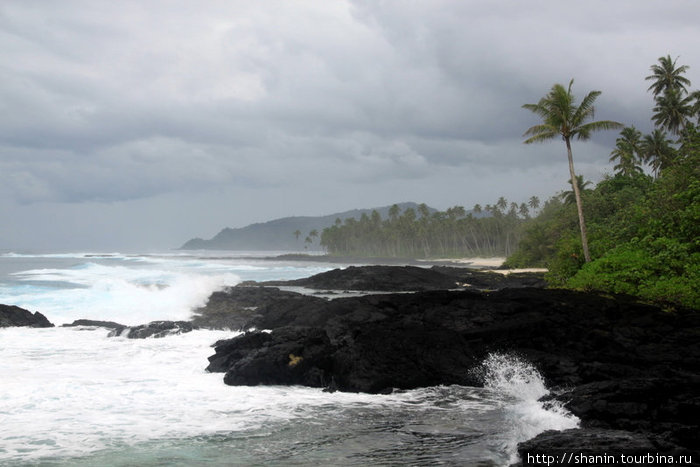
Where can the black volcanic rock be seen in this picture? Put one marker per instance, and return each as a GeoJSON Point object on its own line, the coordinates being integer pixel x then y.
{"type": "Point", "coordinates": [155, 329]}
{"type": "Point", "coordinates": [96, 323]}
{"type": "Point", "coordinates": [621, 365]}
{"type": "Point", "coordinates": [378, 278]}
{"type": "Point", "coordinates": [412, 278]}
{"type": "Point", "coordinates": [11, 315]}
{"type": "Point", "coordinates": [574, 338]}
{"type": "Point", "coordinates": [241, 307]}
{"type": "Point", "coordinates": [489, 280]}
{"type": "Point", "coordinates": [584, 447]}
{"type": "Point", "coordinates": [293, 355]}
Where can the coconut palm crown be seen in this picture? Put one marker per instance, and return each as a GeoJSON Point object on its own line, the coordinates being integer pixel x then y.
{"type": "Point", "coordinates": [666, 76]}
{"type": "Point", "coordinates": [562, 117]}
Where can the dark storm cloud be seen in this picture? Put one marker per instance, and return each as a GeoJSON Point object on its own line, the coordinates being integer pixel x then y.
{"type": "Point", "coordinates": [110, 102]}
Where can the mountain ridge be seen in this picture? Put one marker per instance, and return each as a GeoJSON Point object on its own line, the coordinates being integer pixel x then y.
{"type": "Point", "coordinates": [278, 234]}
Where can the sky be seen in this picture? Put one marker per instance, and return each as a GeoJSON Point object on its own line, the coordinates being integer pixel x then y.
{"type": "Point", "coordinates": [138, 124]}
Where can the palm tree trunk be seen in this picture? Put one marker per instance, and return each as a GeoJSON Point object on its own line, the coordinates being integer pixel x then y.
{"type": "Point", "coordinates": [579, 203]}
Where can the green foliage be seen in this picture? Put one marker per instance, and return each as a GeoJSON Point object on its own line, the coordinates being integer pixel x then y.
{"type": "Point", "coordinates": [424, 235]}
{"type": "Point", "coordinates": [644, 232]}
{"type": "Point", "coordinates": [644, 236]}
{"type": "Point", "coordinates": [539, 236]}
{"type": "Point", "coordinates": [657, 270]}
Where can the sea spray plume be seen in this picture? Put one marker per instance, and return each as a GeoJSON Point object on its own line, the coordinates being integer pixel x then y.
{"type": "Point", "coordinates": [523, 386]}
{"type": "Point", "coordinates": [130, 295]}
{"type": "Point", "coordinates": [513, 375]}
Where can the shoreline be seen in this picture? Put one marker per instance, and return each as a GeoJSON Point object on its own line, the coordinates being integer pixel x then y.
{"type": "Point", "coordinates": [628, 370]}
{"type": "Point", "coordinates": [478, 262]}
{"type": "Point", "coordinates": [484, 264]}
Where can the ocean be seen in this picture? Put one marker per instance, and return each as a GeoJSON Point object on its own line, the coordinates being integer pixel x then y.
{"type": "Point", "coordinates": [72, 396]}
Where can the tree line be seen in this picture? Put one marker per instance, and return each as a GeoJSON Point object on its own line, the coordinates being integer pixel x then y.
{"type": "Point", "coordinates": [492, 230]}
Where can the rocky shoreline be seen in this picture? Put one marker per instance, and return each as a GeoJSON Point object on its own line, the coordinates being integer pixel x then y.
{"type": "Point", "coordinates": [629, 371]}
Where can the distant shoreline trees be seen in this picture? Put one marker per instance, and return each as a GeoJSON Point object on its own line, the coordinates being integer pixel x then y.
{"type": "Point", "coordinates": [491, 231]}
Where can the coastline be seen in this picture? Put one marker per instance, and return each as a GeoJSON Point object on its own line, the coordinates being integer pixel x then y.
{"type": "Point", "coordinates": [627, 370]}
{"type": "Point", "coordinates": [475, 262]}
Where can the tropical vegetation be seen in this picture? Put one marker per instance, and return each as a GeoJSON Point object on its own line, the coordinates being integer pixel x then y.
{"type": "Point", "coordinates": [561, 117]}
{"type": "Point", "coordinates": [644, 230]}
{"type": "Point", "coordinates": [493, 230]}
{"type": "Point", "coordinates": [637, 232]}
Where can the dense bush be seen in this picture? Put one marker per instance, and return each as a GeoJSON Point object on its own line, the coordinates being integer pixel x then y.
{"type": "Point", "coordinates": [644, 236]}
{"type": "Point", "coordinates": [662, 270]}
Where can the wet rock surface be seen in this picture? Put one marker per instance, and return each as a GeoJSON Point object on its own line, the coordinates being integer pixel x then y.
{"type": "Point", "coordinates": [154, 329]}
{"type": "Point", "coordinates": [95, 323]}
{"type": "Point", "coordinates": [11, 316]}
{"type": "Point", "coordinates": [619, 365]}
{"type": "Point", "coordinates": [239, 307]}
{"type": "Point", "coordinates": [412, 278]}
{"type": "Point", "coordinates": [583, 447]}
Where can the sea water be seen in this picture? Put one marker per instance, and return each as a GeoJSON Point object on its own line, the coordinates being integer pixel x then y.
{"type": "Point", "coordinates": [74, 396]}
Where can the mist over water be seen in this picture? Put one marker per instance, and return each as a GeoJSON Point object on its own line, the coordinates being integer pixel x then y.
{"type": "Point", "coordinates": [74, 396]}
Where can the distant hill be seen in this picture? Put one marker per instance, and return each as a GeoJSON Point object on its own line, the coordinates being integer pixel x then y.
{"type": "Point", "coordinates": [278, 234]}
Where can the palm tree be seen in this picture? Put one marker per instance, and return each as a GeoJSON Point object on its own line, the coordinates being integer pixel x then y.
{"type": "Point", "coordinates": [424, 210]}
{"type": "Point", "coordinates": [569, 197]}
{"type": "Point", "coordinates": [628, 150]}
{"type": "Point", "coordinates": [524, 211]}
{"type": "Point", "coordinates": [657, 151]}
{"type": "Point", "coordinates": [502, 204]}
{"type": "Point", "coordinates": [672, 111]}
{"type": "Point", "coordinates": [297, 233]}
{"type": "Point", "coordinates": [696, 105]}
{"type": "Point", "coordinates": [666, 76]}
{"type": "Point", "coordinates": [394, 211]}
{"type": "Point", "coordinates": [562, 117]}
{"type": "Point", "coordinates": [534, 202]}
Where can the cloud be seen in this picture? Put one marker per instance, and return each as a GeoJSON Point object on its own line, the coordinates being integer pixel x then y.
{"type": "Point", "coordinates": [127, 102]}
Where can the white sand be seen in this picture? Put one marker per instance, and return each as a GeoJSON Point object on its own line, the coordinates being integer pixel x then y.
{"type": "Point", "coordinates": [509, 271]}
{"type": "Point", "coordinates": [493, 264]}
{"type": "Point", "coordinates": [476, 262]}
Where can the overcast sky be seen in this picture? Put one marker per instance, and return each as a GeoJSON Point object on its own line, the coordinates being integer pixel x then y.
{"type": "Point", "coordinates": [141, 124]}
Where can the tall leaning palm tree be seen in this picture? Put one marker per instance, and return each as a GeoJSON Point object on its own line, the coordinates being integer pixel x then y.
{"type": "Point", "coordinates": [562, 117]}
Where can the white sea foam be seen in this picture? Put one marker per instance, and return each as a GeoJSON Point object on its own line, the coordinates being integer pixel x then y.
{"type": "Point", "coordinates": [114, 292]}
{"type": "Point", "coordinates": [80, 255]}
{"type": "Point", "coordinates": [524, 386]}
{"type": "Point", "coordinates": [68, 391]}
{"type": "Point", "coordinates": [72, 391]}
{"type": "Point", "coordinates": [132, 289]}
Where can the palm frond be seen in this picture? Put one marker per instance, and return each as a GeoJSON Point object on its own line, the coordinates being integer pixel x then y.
{"type": "Point", "coordinates": [667, 77]}
{"type": "Point", "coordinates": [584, 131]}
{"type": "Point", "coordinates": [541, 137]}
{"type": "Point", "coordinates": [585, 110]}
